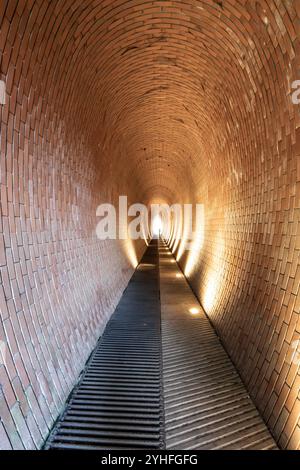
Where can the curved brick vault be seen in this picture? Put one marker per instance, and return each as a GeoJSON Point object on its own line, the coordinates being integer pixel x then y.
{"type": "Point", "coordinates": [180, 101]}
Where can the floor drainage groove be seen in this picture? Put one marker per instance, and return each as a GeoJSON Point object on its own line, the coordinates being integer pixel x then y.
{"type": "Point", "coordinates": [118, 403]}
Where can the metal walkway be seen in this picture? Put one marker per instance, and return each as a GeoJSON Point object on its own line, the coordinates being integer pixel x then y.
{"type": "Point", "coordinates": [118, 402]}
{"type": "Point", "coordinates": [206, 404]}
{"type": "Point", "coordinates": [138, 392]}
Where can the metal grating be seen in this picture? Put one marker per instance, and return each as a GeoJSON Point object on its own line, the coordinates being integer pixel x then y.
{"type": "Point", "coordinates": [118, 401]}
{"type": "Point", "coordinates": [207, 407]}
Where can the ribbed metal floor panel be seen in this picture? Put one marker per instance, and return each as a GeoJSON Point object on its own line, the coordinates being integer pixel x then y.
{"type": "Point", "coordinates": [139, 393]}
{"type": "Point", "coordinates": [118, 401]}
{"type": "Point", "coordinates": [206, 403]}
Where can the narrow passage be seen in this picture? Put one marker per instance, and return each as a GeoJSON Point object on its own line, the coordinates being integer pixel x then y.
{"type": "Point", "coordinates": [159, 376]}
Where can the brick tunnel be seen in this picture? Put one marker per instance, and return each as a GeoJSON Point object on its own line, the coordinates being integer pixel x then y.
{"type": "Point", "coordinates": [170, 102]}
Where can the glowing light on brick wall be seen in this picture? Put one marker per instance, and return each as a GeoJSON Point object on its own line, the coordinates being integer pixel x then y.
{"type": "Point", "coordinates": [196, 245]}
{"type": "Point", "coordinates": [213, 288]}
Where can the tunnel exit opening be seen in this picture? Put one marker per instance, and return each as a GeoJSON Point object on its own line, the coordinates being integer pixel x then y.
{"type": "Point", "coordinates": [157, 227]}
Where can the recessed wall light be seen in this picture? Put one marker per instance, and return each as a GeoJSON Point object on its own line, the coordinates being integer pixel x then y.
{"type": "Point", "coordinates": [194, 311]}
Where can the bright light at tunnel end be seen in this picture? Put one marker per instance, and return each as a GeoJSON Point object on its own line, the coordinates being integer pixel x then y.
{"type": "Point", "coordinates": [157, 227]}
{"type": "Point", "coordinates": [153, 221]}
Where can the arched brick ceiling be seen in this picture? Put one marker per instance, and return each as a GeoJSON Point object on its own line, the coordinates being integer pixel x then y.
{"type": "Point", "coordinates": [178, 101]}
{"type": "Point", "coordinates": [173, 80]}
{"type": "Point", "coordinates": [169, 82]}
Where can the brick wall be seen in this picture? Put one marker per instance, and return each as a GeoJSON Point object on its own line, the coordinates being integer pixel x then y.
{"type": "Point", "coordinates": [58, 282]}
{"type": "Point", "coordinates": [244, 267]}
{"type": "Point", "coordinates": [183, 101]}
